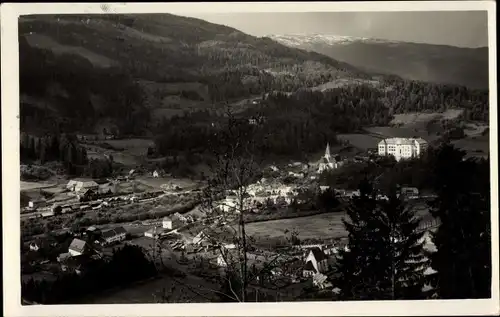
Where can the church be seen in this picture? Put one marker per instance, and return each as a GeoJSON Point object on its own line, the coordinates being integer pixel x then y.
{"type": "Point", "coordinates": [327, 162]}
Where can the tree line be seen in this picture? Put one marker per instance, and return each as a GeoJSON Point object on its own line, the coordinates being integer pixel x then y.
{"type": "Point", "coordinates": [63, 148]}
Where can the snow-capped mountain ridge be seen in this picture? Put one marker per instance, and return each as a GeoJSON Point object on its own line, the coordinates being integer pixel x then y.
{"type": "Point", "coordinates": [329, 39]}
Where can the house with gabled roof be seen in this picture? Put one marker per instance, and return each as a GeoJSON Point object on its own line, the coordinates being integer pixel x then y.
{"type": "Point", "coordinates": [200, 238]}
{"type": "Point", "coordinates": [80, 185]}
{"type": "Point", "coordinates": [316, 262]}
{"type": "Point", "coordinates": [113, 235]}
{"type": "Point", "coordinates": [167, 223]}
{"type": "Point", "coordinates": [77, 247]}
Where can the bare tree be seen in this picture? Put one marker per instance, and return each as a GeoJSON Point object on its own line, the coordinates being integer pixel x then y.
{"type": "Point", "coordinates": [235, 166]}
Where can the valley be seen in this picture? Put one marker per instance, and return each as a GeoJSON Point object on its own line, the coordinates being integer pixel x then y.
{"type": "Point", "coordinates": [156, 149]}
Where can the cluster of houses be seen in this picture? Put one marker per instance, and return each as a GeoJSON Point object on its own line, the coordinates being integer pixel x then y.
{"type": "Point", "coordinates": [166, 225]}
{"type": "Point", "coordinates": [81, 250]}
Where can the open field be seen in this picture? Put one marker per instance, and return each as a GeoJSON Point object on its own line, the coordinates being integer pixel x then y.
{"type": "Point", "coordinates": [474, 146]}
{"type": "Point", "coordinates": [36, 185]}
{"type": "Point", "coordinates": [342, 82]}
{"type": "Point", "coordinates": [121, 157]}
{"type": "Point", "coordinates": [401, 132]}
{"type": "Point", "coordinates": [475, 129]}
{"type": "Point", "coordinates": [129, 152]}
{"type": "Point", "coordinates": [131, 144]}
{"type": "Point", "coordinates": [424, 117]}
{"type": "Point", "coordinates": [323, 225]}
{"type": "Point", "coordinates": [361, 141]}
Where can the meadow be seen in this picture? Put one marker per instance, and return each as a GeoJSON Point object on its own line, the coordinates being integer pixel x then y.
{"type": "Point", "coordinates": [424, 117]}
{"type": "Point", "coordinates": [325, 226]}
{"type": "Point", "coordinates": [402, 132]}
{"type": "Point", "coordinates": [361, 141]}
{"type": "Point", "coordinates": [478, 146]}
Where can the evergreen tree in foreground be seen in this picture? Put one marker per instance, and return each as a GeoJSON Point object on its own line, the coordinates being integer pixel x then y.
{"type": "Point", "coordinates": [463, 241]}
{"type": "Point", "coordinates": [384, 257]}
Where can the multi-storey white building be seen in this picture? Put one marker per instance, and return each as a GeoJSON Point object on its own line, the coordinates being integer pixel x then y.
{"type": "Point", "coordinates": [402, 148]}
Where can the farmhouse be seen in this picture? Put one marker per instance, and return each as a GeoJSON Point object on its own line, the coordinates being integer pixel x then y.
{"type": "Point", "coordinates": [154, 233]}
{"type": "Point", "coordinates": [167, 223]}
{"type": "Point", "coordinates": [201, 238]}
{"type": "Point", "coordinates": [77, 247]}
{"type": "Point", "coordinates": [179, 217]}
{"type": "Point", "coordinates": [402, 148]}
{"type": "Point", "coordinates": [113, 235]}
{"type": "Point", "coordinates": [316, 262]}
{"type": "Point", "coordinates": [81, 185]}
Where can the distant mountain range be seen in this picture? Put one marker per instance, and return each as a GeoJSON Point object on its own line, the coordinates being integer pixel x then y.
{"type": "Point", "coordinates": [414, 61]}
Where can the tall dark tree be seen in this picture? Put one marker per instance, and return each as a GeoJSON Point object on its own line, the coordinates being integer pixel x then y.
{"type": "Point", "coordinates": [463, 241]}
{"type": "Point", "coordinates": [354, 265]}
{"type": "Point", "coordinates": [384, 258]}
{"type": "Point", "coordinates": [403, 261]}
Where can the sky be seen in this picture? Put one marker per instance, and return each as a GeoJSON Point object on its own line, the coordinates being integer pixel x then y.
{"type": "Point", "coordinates": [456, 28]}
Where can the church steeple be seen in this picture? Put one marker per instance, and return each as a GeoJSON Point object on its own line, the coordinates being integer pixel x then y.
{"type": "Point", "coordinates": [327, 151]}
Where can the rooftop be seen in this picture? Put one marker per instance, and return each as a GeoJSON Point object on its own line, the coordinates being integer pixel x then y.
{"type": "Point", "coordinates": [318, 254]}
{"type": "Point", "coordinates": [402, 141]}
{"type": "Point", "coordinates": [77, 245]}
{"type": "Point", "coordinates": [113, 232]}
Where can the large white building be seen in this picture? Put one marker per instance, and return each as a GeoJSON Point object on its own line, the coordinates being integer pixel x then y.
{"type": "Point", "coordinates": [402, 148]}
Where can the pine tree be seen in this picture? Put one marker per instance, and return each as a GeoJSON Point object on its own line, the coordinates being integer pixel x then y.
{"type": "Point", "coordinates": [463, 241]}
{"type": "Point", "coordinates": [402, 254]}
{"type": "Point", "coordinates": [384, 257]}
{"type": "Point", "coordinates": [356, 280]}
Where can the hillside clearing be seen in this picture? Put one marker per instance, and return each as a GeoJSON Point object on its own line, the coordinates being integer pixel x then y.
{"type": "Point", "coordinates": [343, 82]}
{"type": "Point", "coordinates": [45, 42]}
{"type": "Point", "coordinates": [478, 146]}
{"type": "Point", "coordinates": [424, 117]}
{"type": "Point", "coordinates": [401, 132]}
{"type": "Point", "coordinates": [361, 141]}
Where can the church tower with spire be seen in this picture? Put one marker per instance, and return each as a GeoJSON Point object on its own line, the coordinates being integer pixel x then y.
{"type": "Point", "coordinates": [327, 152]}
{"type": "Point", "coordinates": [327, 162]}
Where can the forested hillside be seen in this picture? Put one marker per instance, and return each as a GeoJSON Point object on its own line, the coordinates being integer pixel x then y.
{"type": "Point", "coordinates": [81, 72]}
{"type": "Point", "coordinates": [171, 77]}
{"type": "Point", "coordinates": [301, 123]}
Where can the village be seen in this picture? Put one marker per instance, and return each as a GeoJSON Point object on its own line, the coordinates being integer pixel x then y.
{"type": "Point", "coordinates": [185, 240]}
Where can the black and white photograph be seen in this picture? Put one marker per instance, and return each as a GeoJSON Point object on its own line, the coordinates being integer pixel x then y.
{"type": "Point", "coordinates": [228, 153]}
